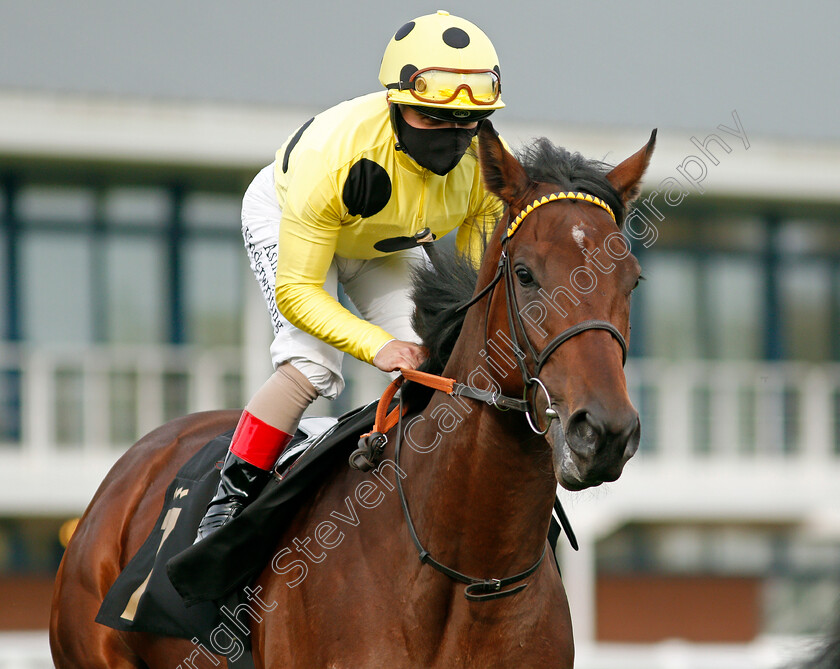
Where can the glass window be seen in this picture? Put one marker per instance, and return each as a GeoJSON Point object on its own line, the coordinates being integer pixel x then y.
{"type": "Point", "coordinates": [799, 603]}
{"type": "Point", "coordinates": [732, 233]}
{"type": "Point", "coordinates": [674, 549]}
{"type": "Point", "coordinates": [4, 285]}
{"type": "Point", "coordinates": [56, 204]}
{"type": "Point", "coordinates": [798, 237]}
{"type": "Point", "coordinates": [214, 271]}
{"type": "Point", "coordinates": [123, 400]}
{"type": "Point", "coordinates": [735, 299]}
{"type": "Point", "coordinates": [213, 210]}
{"type": "Point", "coordinates": [129, 206]}
{"type": "Point", "coordinates": [29, 545]}
{"type": "Point", "coordinates": [806, 310]}
{"type": "Point", "coordinates": [69, 407]}
{"type": "Point", "coordinates": [135, 280]}
{"type": "Point", "coordinates": [56, 291]}
{"type": "Point", "coordinates": [747, 433]}
{"type": "Point", "coordinates": [670, 306]}
{"type": "Point", "coordinates": [675, 232]}
{"type": "Point", "coordinates": [11, 388]}
{"type": "Point", "coordinates": [680, 549]}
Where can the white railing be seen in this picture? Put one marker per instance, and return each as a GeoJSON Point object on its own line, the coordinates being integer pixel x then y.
{"type": "Point", "coordinates": [736, 410]}
{"type": "Point", "coordinates": [79, 409]}
{"type": "Point", "coordinates": [103, 399]}
{"type": "Point", "coordinates": [66, 415]}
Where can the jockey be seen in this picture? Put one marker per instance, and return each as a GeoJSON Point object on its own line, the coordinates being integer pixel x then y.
{"type": "Point", "coordinates": [343, 203]}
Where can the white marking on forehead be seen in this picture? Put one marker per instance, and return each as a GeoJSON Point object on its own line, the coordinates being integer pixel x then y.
{"type": "Point", "coordinates": [579, 235]}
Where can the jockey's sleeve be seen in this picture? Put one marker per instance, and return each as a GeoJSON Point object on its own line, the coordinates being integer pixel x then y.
{"type": "Point", "coordinates": [485, 211]}
{"type": "Point", "coordinates": [477, 229]}
{"type": "Point", "coordinates": [308, 235]}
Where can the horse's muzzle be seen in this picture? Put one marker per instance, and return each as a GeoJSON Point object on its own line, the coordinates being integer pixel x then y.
{"type": "Point", "coordinates": [595, 446]}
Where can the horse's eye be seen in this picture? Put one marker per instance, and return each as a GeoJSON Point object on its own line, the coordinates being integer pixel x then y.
{"type": "Point", "coordinates": [524, 276]}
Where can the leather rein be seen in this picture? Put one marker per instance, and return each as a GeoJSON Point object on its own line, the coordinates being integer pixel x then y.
{"type": "Point", "coordinates": [372, 444]}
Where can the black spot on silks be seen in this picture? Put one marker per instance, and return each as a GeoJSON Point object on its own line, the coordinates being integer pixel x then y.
{"type": "Point", "coordinates": [367, 189]}
{"type": "Point", "coordinates": [293, 142]}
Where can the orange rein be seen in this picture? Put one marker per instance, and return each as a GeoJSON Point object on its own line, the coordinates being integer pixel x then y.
{"type": "Point", "coordinates": [384, 421]}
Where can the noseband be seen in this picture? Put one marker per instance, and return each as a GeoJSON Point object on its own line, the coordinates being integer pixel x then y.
{"type": "Point", "coordinates": [504, 271]}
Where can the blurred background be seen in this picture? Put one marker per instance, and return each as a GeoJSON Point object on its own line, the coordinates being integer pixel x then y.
{"type": "Point", "coordinates": [129, 132]}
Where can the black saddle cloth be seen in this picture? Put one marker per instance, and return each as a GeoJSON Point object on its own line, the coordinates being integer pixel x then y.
{"type": "Point", "coordinates": [214, 571]}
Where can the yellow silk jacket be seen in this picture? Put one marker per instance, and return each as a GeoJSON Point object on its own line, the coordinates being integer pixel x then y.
{"type": "Point", "coordinates": [344, 189]}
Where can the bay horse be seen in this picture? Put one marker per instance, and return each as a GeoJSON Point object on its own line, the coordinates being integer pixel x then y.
{"type": "Point", "coordinates": [548, 322]}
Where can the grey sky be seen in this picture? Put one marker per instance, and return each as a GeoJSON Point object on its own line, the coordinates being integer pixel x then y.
{"type": "Point", "coordinates": [667, 64]}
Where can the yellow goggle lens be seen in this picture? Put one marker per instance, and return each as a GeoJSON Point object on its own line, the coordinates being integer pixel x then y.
{"type": "Point", "coordinates": [441, 86]}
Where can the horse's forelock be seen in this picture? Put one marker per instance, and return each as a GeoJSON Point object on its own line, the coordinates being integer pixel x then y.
{"type": "Point", "coordinates": [546, 162]}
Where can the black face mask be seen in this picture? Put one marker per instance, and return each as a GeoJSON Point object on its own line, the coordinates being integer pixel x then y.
{"type": "Point", "coordinates": [437, 149]}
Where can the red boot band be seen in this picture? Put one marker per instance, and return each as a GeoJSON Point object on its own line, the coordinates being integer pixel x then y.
{"type": "Point", "coordinates": [257, 442]}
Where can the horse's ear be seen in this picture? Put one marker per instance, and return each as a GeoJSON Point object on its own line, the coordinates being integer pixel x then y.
{"type": "Point", "coordinates": [501, 172]}
{"type": "Point", "coordinates": [626, 177]}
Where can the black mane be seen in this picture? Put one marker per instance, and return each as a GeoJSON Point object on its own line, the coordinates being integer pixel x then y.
{"type": "Point", "coordinates": [439, 290]}
{"type": "Point", "coordinates": [543, 161]}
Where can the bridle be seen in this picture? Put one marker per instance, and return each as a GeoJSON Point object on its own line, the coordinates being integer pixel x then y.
{"type": "Point", "coordinates": [372, 445]}
{"type": "Point", "coordinates": [504, 271]}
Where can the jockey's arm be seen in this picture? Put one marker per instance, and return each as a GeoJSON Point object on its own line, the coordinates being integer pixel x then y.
{"type": "Point", "coordinates": [306, 246]}
{"type": "Point", "coordinates": [302, 266]}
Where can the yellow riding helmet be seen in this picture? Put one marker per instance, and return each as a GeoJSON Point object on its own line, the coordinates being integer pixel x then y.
{"type": "Point", "coordinates": [445, 65]}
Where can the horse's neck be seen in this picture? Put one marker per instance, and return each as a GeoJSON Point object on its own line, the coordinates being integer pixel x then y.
{"type": "Point", "coordinates": [480, 486]}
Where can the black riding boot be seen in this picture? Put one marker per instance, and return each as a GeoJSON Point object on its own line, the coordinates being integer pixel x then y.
{"type": "Point", "coordinates": [240, 484]}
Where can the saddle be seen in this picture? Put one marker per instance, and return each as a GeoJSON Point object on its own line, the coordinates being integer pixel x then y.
{"type": "Point", "coordinates": [214, 571]}
{"type": "Point", "coordinates": [174, 588]}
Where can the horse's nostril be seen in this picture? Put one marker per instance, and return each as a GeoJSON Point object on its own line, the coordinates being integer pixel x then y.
{"type": "Point", "coordinates": [581, 433]}
{"type": "Point", "coordinates": [586, 432]}
{"type": "Point", "coordinates": [631, 438]}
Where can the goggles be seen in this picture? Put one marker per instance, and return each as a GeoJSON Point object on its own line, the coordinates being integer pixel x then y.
{"type": "Point", "coordinates": [439, 85]}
